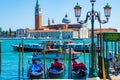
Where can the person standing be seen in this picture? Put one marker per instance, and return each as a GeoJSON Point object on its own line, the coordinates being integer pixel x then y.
{"type": "Point", "coordinates": [111, 60]}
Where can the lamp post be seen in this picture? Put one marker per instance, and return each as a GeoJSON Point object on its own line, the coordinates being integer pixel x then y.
{"type": "Point", "coordinates": [92, 15]}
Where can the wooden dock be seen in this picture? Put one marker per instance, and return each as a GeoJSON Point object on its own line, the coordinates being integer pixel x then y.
{"type": "Point", "coordinates": [114, 75]}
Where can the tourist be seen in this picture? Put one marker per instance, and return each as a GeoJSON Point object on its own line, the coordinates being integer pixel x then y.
{"type": "Point", "coordinates": [68, 50]}
{"type": "Point", "coordinates": [52, 45]}
{"type": "Point", "coordinates": [49, 47]}
{"type": "Point", "coordinates": [59, 49]}
{"type": "Point", "coordinates": [110, 57]}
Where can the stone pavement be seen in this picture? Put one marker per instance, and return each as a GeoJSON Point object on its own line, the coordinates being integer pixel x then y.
{"type": "Point", "coordinates": [114, 75]}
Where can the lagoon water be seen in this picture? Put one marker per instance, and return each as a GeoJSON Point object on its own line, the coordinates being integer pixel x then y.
{"type": "Point", "coordinates": [10, 60]}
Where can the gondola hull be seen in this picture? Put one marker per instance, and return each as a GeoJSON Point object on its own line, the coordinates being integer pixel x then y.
{"type": "Point", "coordinates": [52, 55]}
{"type": "Point", "coordinates": [35, 75]}
{"type": "Point", "coordinates": [79, 70]}
{"type": "Point", "coordinates": [27, 49]}
{"type": "Point", "coordinates": [79, 74]}
{"type": "Point", "coordinates": [55, 74]}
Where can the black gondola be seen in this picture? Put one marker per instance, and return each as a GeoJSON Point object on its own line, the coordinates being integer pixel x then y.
{"type": "Point", "coordinates": [35, 70]}
{"type": "Point", "coordinates": [79, 69]}
{"type": "Point", "coordinates": [56, 69]}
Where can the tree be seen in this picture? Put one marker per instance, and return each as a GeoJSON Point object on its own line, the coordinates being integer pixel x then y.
{"type": "Point", "coordinates": [10, 32]}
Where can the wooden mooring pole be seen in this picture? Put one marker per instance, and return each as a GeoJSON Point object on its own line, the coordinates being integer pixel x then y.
{"type": "Point", "coordinates": [44, 60]}
{"type": "Point", "coordinates": [64, 52]}
{"type": "Point", "coordinates": [22, 58]}
{"type": "Point", "coordinates": [19, 63]}
{"type": "Point", "coordinates": [0, 57]}
{"type": "Point", "coordinates": [84, 52]}
{"type": "Point", "coordinates": [69, 65]}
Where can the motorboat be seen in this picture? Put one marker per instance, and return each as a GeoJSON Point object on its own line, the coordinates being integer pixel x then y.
{"type": "Point", "coordinates": [78, 47]}
{"type": "Point", "coordinates": [30, 47]}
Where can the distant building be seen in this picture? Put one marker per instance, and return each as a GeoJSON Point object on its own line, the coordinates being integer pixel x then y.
{"type": "Point", "coordinates": [63, 26]}
{"type": "Point", "coordinates": [54, 34]}
{"type": "Point", "coordinates": [97, 30]}
{"type": "Point", "coordinates": [0, 31]}
{"type": "Point", "coordinates": [56, 31]}
{"type": "Point", "coordinates": [38, 16]}
{"type": "Point", "coordinates": [83, 32]}
{"type": "Point", "coordinates": [75, 35]}
{"type": "Point", "coordinates": [20, 33]}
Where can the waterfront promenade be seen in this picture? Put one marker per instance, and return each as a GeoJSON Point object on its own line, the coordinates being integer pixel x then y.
{"type": "Point", "coordinates": [114, 75]}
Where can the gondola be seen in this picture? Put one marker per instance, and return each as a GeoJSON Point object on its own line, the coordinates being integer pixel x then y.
{"type": "Point", "coordinates": [79, 69]}
{"type": "Point", "coordinates": [35, 70]}
{"type": "Point", "coordinates": [56, 69]}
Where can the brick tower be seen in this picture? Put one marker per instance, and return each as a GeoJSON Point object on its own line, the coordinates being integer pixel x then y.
{"type": "Point", "coordinates": [38, 16]}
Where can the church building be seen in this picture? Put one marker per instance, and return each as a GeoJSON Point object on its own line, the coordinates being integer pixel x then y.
{"type": "Point", "coordinates": [65, 30]}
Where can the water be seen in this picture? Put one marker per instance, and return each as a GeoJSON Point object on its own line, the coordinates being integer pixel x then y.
{"type": "Point", "coordinates": [10, 60]}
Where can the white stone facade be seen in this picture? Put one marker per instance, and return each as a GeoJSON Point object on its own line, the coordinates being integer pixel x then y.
{"type": "Point", "coordinates": [83, 32]}
{"type": "Point", "coordinates": [20, 33]}
{"type": "Point", "coordinates": [56, 34]}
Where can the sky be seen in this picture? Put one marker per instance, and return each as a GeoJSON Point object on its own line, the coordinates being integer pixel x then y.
{"type": "Point", "coordinates": [17, 14]}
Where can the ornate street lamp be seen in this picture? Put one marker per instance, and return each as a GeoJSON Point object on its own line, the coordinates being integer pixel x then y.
{"type": "Point", "coordinates": [77, 9]}
{"type": "Point", "coordinates": [107, 10]}
{"type": "Point", "coordinates": [92, 0]}
{"type": "Point", "coordinates": [92, 15]}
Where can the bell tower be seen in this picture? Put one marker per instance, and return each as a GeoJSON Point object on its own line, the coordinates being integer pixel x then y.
{"type": "Point", "coordinates": [38, 16]}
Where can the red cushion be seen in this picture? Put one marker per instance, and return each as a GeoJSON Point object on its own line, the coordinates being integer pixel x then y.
{"type": "Point", "coordinates": [56, 65]}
